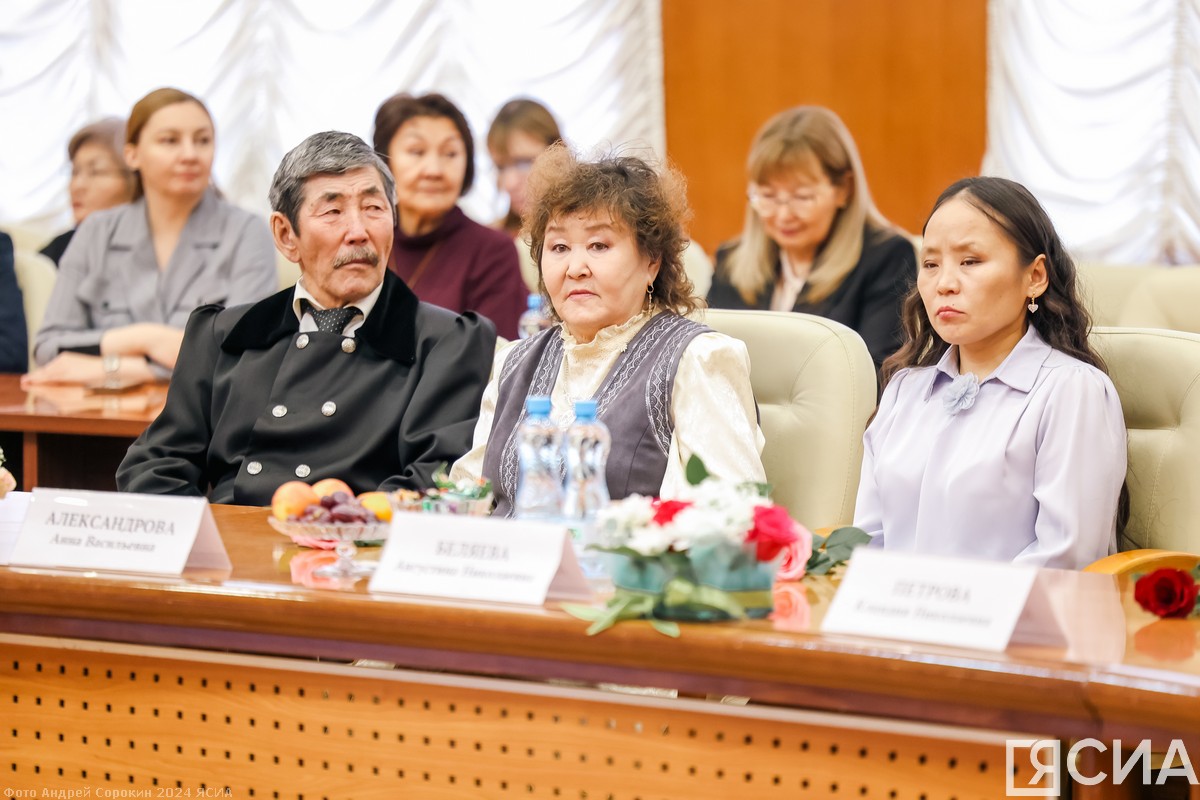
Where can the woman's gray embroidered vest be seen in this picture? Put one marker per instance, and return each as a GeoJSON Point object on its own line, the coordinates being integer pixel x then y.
{"type": "Point", "coordinates": [634, 401]}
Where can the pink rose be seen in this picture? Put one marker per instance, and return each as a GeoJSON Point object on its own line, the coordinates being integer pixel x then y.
{"type": "Point", "coordinates": [665, 510]}
{"type": "Point", "coordinates": [7, 482]}
{"type": "Point", "coordinates": [773, 530]}
{"type": "Point", "coordinates": [305, 562]}
{"type": "Point", "coordinates": [795, 556]}
{"type": "Point", "coordinates": [792, 611]}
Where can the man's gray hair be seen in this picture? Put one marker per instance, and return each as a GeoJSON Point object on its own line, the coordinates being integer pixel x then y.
{"type": "Point", "coordinates": [325, 153]}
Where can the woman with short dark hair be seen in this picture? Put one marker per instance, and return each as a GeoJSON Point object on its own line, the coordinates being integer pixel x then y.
{"type": "Point", "coordinates": [445, 257]}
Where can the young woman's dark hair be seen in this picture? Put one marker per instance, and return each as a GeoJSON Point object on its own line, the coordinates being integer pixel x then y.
{"type": "Point", "coordinates": [399, 109]}
{"type": "Point", "coordinates": [1061, 318]}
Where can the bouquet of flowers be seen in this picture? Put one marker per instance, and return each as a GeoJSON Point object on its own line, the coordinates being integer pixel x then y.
{"type": "Point", "coordinates": [715, 557]}
{"type": "Point", "coordinates": [7, 481]}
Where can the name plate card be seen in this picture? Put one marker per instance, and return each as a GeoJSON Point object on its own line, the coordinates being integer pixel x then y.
{"type": "Point", "coordinates": [119, 532]}
{"type": "Point", "coordinates": [479, 558]}
{"type": "Point", "coordinates": [12, 515]}
{"type": "Point", "coordinates": [930, 599]}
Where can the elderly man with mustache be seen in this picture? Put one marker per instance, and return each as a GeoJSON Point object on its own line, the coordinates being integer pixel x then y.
{"type": "Point", "coordinates": [345, 375]}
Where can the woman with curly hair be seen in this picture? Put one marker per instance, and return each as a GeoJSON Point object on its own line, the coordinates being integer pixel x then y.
{"type": "Point", "coordinates": [607, 236]}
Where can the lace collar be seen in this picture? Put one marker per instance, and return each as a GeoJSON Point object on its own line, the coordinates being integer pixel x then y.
{"type": "Point", "coordinates": [606, 339]}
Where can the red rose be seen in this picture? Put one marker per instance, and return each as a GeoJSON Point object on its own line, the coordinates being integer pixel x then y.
{"type": "Point", "coordinates": [773, 530]}
{"type": "Point", "coordinates": [665, 510]}
{"type": "Point", "coordinates": [1168, 593]}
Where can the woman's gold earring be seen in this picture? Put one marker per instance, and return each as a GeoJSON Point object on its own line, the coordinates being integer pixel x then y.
{"type": "Point", "coordinates": [1033, 306]}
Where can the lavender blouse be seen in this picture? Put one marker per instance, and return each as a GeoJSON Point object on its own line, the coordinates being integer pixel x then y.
{"type": "Point", "coordinates": [1025, 466]}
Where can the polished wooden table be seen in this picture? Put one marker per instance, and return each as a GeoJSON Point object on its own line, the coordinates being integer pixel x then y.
{"type": "Point", "coordinates": [260, 685]}
{"type": "Point", "coordinates": [73, 438]}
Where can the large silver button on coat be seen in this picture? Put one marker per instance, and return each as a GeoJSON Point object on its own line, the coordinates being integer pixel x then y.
{"type": "Point", "coordinates": [279, 411]}
{"type": "Point", "coordinates": [302, 471]}
{"type": "Point", "coordinates": [348, 345]}
{"type": "Point", "coordinates": [254, 467]}
{"type": "Point", "coordinates": [329, 409]}
{"type": "Point", "coordinates": [302, 341]}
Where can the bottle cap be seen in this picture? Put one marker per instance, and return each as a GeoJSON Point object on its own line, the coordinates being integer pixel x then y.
{"type": "Point", "coordinates": [536, 406]}
{"type": "Point", "coordinates": [585, 409]}
{"type": "Point", "coordinates": [533, 301]}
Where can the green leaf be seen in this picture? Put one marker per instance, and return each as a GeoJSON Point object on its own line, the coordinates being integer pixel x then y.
{"type": "Point", "coordinates": [585, 613]}
{"type": "Point", "coordinates": [695, 471]}
{"type": "Point", "coordinates": [819, 564]}
{"type": "Point", "coordinates": [848, 536]}
{"type": "Point", "coordinates": [625, 606]}
{"type": "Point", "coordinates": [665, 627]}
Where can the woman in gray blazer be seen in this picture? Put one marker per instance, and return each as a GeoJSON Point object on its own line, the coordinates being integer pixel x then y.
{"type": "Point", "coordinates": [133, 273]}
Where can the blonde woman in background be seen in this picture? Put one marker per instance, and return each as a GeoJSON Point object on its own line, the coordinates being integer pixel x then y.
{"type": "Point", "coordinates": [813, 241]}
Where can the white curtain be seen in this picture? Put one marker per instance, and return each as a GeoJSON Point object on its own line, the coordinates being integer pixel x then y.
{"type": "Point", "coordinates": [275, 71]}
{"type": "Point", "coordinates": [1095, 106]}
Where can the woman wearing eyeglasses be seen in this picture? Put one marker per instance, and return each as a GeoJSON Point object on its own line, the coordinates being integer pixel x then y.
{"type": "Point", "coordinates": [522, 129]}
{"type": "Point", "coordinates": [134, 273]}
{"type": "Point", "coordinates": [813, 240]}
{"type": "Point", "coordinates": [100, 178]}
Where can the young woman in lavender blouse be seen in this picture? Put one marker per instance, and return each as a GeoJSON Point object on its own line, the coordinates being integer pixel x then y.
{"type": "Point", "coordinates": [999, 434]}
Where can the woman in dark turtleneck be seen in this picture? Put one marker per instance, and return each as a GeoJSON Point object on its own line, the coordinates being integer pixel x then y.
{"type": "Point", "coordinates": [446, 258]}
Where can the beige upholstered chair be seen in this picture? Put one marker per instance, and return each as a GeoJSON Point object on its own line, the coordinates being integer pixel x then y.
{"type": "Point", "coordinates": [1167, 298]}
{"type": "Point", "coordinates": [1105, 288]}
{"type": "Point", "coordinates": [1157, 375]}
{"type": "Point", "coordinates": [36, 275]}
{"type": "Point", "coordinates": [699, 268]}
{"type": "Point", "coordinates": [815, 386]}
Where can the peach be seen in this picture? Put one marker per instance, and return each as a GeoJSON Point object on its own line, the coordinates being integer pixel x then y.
{"type": "Point", "coordinates": [291, 499]}
{"type": "Point", "coordinates": [328, 486]}
{"type": "Point", "coordinates": [378, 504]}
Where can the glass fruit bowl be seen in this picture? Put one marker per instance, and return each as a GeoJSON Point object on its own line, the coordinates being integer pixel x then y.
{"type": "Point", "coordinates": [326, 535]}
{"type": "Point", "coordinates": [343, 538]}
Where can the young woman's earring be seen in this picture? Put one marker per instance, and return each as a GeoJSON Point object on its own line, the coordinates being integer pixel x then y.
{"type": "Point", "coordinates": [1033, 306]}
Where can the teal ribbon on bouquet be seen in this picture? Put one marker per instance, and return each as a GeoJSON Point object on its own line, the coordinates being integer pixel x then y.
{"type": "Point", "coordinates": [712, 584]}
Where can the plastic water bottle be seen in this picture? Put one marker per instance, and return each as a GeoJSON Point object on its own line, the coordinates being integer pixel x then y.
{"type": "Point", "coordinates": [539, 456]}
{"type": "Point", "coordinates": [586, 448]}
{"type": "Point", "coordinates": [533, 319]}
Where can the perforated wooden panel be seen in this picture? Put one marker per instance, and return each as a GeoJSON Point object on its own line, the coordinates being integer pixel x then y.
{"type": "Point", "coordinates": [135, 724]}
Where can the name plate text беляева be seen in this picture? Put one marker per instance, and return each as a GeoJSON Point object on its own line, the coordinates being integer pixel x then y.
{"type": "Point", "coordinates": [479, 558]}
{"type": "Point", "coordinates": [118, 532]}
{"type": "Point", "coordinates": [930, 599]}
